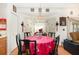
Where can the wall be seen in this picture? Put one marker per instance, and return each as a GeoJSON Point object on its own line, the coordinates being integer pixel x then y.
{"type": "Point", "coordinates": [3, 10]}
{"type": "Point", "coordinates": [11, 28]}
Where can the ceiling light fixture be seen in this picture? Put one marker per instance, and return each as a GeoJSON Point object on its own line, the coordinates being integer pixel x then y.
{"type": "Point", "coordinates": [40, 13]}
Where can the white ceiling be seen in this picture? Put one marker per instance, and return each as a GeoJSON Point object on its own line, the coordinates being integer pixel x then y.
{"type": "Point", "coordinates": [56, 9]}
{"type": "Point", "coordinates": [47, 4]}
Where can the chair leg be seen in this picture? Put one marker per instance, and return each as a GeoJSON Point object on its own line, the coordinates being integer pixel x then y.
{"type": "Point", "coordinates": [27, 52]}
{"type": "Point", "coordinates": [19, 53]}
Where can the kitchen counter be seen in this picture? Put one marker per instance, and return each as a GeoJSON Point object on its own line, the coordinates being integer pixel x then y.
{"type": "Point", "coordinates": [3, 45]}
{"type": "Point", "coordinates": [3, 36]}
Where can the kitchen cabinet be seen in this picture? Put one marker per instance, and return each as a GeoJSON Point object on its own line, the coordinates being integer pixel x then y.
{"type": "Point", "coordinates": [3, 24]}
{"type": "Point", "coordinates": [3, 45]}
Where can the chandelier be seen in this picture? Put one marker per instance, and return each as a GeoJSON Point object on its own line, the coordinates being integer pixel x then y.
{"type": "Point", "coordinates": [40, 13]}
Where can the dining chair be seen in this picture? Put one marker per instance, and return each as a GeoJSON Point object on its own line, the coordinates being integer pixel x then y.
{"type": "Point", "coordinates": [56, 45]}
{"type": "Point", "coordinates": [22, 35]}
{"type": "Point", "coordinates": [26, 42]}
{"type": "Point", "coordinates": [44, 34]}
{"type": "Point", "coordinates": [18, 44]}
{"type": "Point", "coordinates": [27, 34]}
{"type": "Point", "coordinates": [55, 51]}
{"type": "Point", "coordinates": [51, 34]}
{"type": "Point", "coordinates": [27, 46]}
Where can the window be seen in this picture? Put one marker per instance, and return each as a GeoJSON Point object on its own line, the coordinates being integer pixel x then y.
{"type": "Point", "coordinates": [75, 27]}
{"type": "Point", "coordinates": [39, 26]}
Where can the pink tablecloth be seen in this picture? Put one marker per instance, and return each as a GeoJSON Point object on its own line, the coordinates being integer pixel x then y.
{"type": "Point", "coordinates": [45, 44]}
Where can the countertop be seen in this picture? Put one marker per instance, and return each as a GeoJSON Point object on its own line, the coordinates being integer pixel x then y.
{"type": "Point", "coordinates": [3, 36]}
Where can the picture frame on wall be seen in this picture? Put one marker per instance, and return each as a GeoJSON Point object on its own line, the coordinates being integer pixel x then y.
{"type": "Point", "coordinates": [62, 21]}
{"type": "Point", "coordinates": [14, 8]}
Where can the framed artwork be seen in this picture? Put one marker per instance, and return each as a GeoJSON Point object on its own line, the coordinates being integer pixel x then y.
{"type": "Point", "coordinates": [3, 24]}
{"type": "Point", "coordinates": [14, 8]}
{"type": "Point", "coordinates": [62, 21]}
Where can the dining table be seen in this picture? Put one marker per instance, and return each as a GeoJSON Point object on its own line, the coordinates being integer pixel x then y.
{"type": "Point", "coordinates": [44, 44]}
